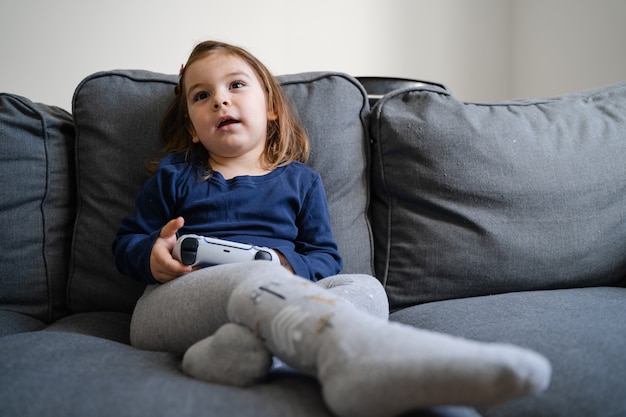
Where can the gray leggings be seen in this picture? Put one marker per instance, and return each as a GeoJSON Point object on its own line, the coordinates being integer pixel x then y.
{"type": "Point", "coordinates": [173, 316]}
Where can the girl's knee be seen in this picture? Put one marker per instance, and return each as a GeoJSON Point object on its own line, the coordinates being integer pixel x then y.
{"type": "Point", "coordinates": [363, 291]}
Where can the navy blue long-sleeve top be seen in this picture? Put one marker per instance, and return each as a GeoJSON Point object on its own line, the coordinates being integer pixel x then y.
{"type": "Point", "coordinates": [285, 209]}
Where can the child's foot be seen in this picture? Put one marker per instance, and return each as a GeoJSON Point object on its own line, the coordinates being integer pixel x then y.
{"type": "Point", "coordinates": [385, 369]}
{"type": "Point", "coordinates": [233, 356]}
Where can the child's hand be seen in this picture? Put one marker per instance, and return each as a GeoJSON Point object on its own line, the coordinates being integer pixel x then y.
{"type": "Point", "coordinates": [162, 265]}
{"type": "Point", "coordinates": [284, 262]}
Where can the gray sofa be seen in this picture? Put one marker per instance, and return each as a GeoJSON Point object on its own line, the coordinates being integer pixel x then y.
{"type": "Point", "coordinates": [499, 222]}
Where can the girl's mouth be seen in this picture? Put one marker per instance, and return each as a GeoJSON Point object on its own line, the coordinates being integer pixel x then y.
{"type": "Point", "coordinates": [226, 121]}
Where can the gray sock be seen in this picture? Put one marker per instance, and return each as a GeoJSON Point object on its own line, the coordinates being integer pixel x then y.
{"type": "Point", "coordinates": [232, 356]}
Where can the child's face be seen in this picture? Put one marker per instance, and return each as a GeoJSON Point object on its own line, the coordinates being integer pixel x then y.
{"type": "Point", "coordinates": [227, 107]}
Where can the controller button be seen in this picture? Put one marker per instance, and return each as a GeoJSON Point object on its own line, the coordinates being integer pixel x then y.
{"type": "Point", "coordinates": [263, 256]}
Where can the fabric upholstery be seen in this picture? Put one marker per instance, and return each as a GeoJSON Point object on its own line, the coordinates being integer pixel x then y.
{"type": "Point", "coordinates": [64, 371]}
{"type": "Point", "coordinates": [36, 208]}
{"type": "Point", "coordinates": [475, 199]}
{"type": "Point", "coordinates": [92, 376]}
{"type": "Point", "coordinates": [117, 115]}
{"type": "Point", "coordinates": [333, 109]}
{"type": "Point", "coordinates": [12, 322]}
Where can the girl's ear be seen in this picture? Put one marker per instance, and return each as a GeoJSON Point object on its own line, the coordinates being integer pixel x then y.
{"type": "Point", "coordinates": [271, 114]}
{"type": "Point", "coordinates": [191, 130]}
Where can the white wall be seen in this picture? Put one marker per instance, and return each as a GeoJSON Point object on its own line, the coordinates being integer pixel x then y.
{"type": "Point", "coordinates": [481, 49]}
{"type": "Point", "coordinates": [566, 45]}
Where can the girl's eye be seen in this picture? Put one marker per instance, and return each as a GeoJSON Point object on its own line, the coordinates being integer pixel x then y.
{"type": "Point", "coordinates": [237, 84]}
{"type": "Point", "coordinates": [201, 96]}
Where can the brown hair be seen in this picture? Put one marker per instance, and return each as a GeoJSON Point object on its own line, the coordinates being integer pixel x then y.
{"type": "Point", "coordinates": [286, 139]}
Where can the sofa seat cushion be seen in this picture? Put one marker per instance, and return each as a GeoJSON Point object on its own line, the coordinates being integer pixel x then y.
{"type": "Point", "coordinates": [74, 375]}
{"type": "Point", "coordinates": [581, 331]}
{"type": "Point", "coordinates": [36, 207]}
{"type": "Point", "coordinates": [108, 325]}
{"type": "Point", "coordinates": [58, 371]}
{"type": "Point", "coordinates": [12, 322]}
{"type": "Point", "coordinates": [117, 116]}
{"type": "Point", "coordinates": [475, 199]}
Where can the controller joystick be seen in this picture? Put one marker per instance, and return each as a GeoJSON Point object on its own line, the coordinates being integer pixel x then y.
{"type": "Point", "coordinates": [263, 256]}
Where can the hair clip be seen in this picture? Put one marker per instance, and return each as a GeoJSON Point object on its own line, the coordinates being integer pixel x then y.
{"type": "Point", "coordinates": [182, 69]}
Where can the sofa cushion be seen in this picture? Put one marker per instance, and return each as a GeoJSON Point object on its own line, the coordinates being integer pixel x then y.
{"type": "Point", "coordinates": [580, 330]}
{"type": "Point", "coordinates": [333, 108]}
{"type": "Point", "coordinates": [71, 374]}
{"type": "Point", "coordinates": [117, 115]}
{"type": "Point", "coordinates": [12, 322]}
{"type": "Point", "coordinates": [117, 119]}
{"type": "Point", "coordinates": [476, 199]}
{"type": "Point", "coordinates": [36, 208]}
{"type": "Point", "coordinates": [68, 373]}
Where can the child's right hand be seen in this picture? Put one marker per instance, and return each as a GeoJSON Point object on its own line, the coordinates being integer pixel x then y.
{"type": "Point", "coordinates": [162, 265]}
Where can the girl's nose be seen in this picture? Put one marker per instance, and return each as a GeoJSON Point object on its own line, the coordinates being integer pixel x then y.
{"type": "Point", "coordinates": [220, 100]}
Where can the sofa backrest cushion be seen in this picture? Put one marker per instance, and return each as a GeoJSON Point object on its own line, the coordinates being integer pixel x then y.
{"type": "Point", "coordinates": [477, 199]}
{"type": "Point", "coordinates": [333, 108]}
{"type": "Point", "coordinates": [117, 114]}
{"type": "Point", "coordinates": [36, 207]}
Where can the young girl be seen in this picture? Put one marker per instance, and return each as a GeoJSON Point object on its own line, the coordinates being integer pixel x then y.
{"type": "Point", "coordinates": [235, 170]}
{"type": "Point", "coordinates": [230, 174]}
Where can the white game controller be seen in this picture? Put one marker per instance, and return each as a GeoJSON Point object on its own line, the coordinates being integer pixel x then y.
{"type": "Point", "coordinates": [200, 250]}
